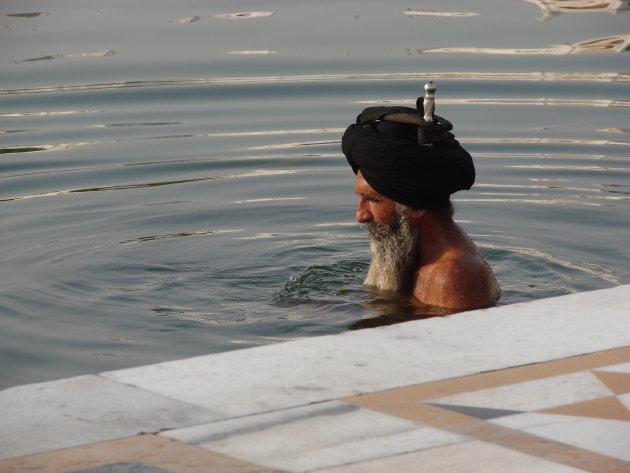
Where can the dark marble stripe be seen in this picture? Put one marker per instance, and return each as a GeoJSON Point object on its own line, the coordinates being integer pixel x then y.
{"type": "Point", "coordinates": [289, 416]}
{"type": "Point", "coordinates": [125, 467]}
{"type": "Point", "coordinates": [482, 413]}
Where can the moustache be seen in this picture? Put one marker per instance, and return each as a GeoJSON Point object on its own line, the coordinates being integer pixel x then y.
{"type": "Point", "coordinates": [379, 231]}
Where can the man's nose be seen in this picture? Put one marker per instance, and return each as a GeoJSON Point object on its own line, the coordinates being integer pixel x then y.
{"type": "Point", "coordinates": [363, 214]}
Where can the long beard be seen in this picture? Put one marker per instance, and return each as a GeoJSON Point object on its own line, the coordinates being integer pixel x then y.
{"type": "Point", "coordinates": [394, 250]}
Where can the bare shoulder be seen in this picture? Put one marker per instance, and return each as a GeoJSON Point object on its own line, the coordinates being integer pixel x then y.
{"type": "Point", "coordinates": [464, 282]}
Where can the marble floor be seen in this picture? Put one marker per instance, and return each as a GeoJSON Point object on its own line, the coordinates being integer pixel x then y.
{"type": "Point", "coordinates": [405, 398]}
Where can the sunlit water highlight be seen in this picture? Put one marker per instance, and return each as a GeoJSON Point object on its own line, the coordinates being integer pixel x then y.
{"type": "Point", "coordinates": [171, 180]}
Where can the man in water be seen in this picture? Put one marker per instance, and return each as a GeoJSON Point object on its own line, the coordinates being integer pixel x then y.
{"type": "Point", "coordinates": [404, 192]}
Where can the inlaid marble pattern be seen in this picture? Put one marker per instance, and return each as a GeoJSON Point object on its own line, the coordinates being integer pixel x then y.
{"type": "Point", "coordinates": [557, 411]}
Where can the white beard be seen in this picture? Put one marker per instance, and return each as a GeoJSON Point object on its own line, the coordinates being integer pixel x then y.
{"type": "Point", "coordinates": [394, 250]}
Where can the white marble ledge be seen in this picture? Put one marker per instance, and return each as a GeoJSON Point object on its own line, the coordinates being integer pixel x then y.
{"type": "Point", "coordinates": [291, 374]}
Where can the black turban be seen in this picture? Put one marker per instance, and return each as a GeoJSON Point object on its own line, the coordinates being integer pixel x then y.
{"type": "Point", "coordinates": [393, 162]}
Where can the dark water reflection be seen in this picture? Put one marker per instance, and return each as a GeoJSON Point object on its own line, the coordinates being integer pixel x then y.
{"type": "Point", "coordinates": [168, 201]}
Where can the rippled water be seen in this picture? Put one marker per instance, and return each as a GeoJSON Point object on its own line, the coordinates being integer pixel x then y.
{"type": "Point", "coordinates": [171, 181]}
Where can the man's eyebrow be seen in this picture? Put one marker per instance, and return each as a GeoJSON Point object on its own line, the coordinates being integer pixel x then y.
{"type": "Point", "coordinates": [370, 197]}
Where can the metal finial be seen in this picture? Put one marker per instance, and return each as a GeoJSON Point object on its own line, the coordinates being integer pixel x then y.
{"type": "Point", "coordinates": [429, 101]}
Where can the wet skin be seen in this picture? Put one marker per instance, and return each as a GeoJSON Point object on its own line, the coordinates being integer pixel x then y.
{"type": "Point", "coordinates": [451, 271]}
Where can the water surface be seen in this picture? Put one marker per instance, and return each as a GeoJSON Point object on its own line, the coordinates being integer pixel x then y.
{"type": "Point", "coordinates": [171, 180]}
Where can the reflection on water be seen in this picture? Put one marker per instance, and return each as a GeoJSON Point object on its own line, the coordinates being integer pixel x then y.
{"type": "Point", "coordinates": [168, 236]}
{"type": "Point", "coordinates": [190, 19]}
{"type": "Point", "coordinates": [439, 13]}
{"type": "Point", "coordinates": [245, 15]}
{"type": "Point", "coordinates": [570, 168]}
{"type": "Point", "coordinates": [294, 145]}
{"type": "Point", "coordinates": [115, 125]}
{"type": "Point", "coordinates": [44, 114]}
{"type": "Point", "coordinates": [106, 52]}
{"type": "Point", "coordinates": [416, 77]}
{"type": "Point", "coordinates": [549, 102]}
{"type": "Point", "coordinates": [269, 199]}
{"type": "Point", "coordinates": [235, 134]}
{"type": "Point", "coordinates": [595, 270]}
{"type": "Point", "coordinates": [255, 173]}
{"type": "Point", "coordinates": [253, 52]}
{"type": "Point", "coordinates": [609, 44]}
{"type": "Point", "coordinates": [548, 140]}
{"type": "Point", "coordinates": [615, 130]}
{"type": "Point", "coordinates": [55, 147]}
{"type": "Point", "coordinates": [550, 8]}
{"type": "Point", "coordinates": [27, 15]}
{"type": "Point", "coordinates": [2, 132]}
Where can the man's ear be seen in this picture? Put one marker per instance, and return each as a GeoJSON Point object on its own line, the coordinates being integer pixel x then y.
{"type": "Point", "coordinates": [417, 214]}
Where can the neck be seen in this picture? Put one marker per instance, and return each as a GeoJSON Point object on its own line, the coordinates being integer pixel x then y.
{"type": "Point", "coordinates": [437, 233]}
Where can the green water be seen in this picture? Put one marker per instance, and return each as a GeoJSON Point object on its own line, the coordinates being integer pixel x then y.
{"type": "Point", "coordinates": [173, 186]}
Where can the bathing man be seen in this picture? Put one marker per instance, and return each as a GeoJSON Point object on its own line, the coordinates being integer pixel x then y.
{"type": "Point", "coordinates": [403, 190]}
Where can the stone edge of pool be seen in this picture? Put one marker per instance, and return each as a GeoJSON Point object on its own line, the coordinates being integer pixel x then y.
{"type": "Point", "coordinates": [206, 389]}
